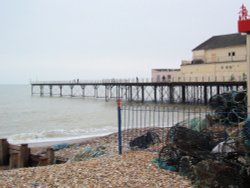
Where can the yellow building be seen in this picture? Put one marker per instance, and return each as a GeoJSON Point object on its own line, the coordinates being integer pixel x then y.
{"type": "Point", "coordinates": [220, 58]}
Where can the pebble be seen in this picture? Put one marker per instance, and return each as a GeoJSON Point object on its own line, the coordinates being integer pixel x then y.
{"type": "Point", "coordinates": [131, 169]}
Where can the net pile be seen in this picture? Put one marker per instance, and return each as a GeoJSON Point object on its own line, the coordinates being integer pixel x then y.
{"type": "Point", "coordinates": [217, 155]}
{"type": "Point", "coordinates": [191, 153]}
{"type": "Point", "coordinates": [230, 108]}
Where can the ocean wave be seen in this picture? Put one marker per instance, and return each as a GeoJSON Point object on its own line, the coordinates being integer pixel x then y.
{"type": "Point", "coordinates": [59, 135]}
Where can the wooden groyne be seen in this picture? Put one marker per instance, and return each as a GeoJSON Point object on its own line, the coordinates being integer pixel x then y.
{"type": "Point", "coordinates": [136, 91]}
{"type": "Point", "coordinates": [19, 156]}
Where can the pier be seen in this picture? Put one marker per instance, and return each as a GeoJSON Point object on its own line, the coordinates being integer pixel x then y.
{"type": "Point", "coordinates": [137, 90]}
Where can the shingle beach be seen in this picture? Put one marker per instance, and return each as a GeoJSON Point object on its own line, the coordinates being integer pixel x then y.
{"type": "Point", "coordinates": [131, 169]}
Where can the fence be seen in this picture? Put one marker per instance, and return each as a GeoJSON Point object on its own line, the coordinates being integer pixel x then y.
{"type": "Point", "coordinates": [135, 121]}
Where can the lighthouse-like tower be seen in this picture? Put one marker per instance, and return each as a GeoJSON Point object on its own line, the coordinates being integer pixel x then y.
{"type": "Point", "coordinates": [244, 20]}
{"type": "Point", "coordinates": [244, 27]}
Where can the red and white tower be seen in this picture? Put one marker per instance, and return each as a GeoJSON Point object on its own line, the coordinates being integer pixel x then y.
{"type": "Point", "coordinates": [244, 20]}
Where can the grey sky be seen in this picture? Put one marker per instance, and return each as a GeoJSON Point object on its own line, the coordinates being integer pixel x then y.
{"type": "Point", "coordinates": [95, 39]}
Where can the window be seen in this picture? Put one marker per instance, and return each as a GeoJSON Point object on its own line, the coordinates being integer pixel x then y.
{"type": "Point", "coordinates": [231, 53]}
{"type": "Point", "coordinates": [158, 78]}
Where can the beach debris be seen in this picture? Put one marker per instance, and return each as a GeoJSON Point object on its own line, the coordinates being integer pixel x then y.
{"type": "Point", "coordinates": [88, 153]}
{"type": "Point", "coordinates": [196, 123]}
{"type": "Point", "coordinates": [225, 147]}
{"type": "Point", "coordinates": [144, 141]}
{"type": "Point", "coordinates": [57, 147]}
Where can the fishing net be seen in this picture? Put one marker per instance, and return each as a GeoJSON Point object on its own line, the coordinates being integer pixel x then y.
{"type": "Point", "coordinates": [214, 154]}
{"type": "Point", "coordinates": [230, 108]}
{"type": "Point", "coordinates": [144, 141]}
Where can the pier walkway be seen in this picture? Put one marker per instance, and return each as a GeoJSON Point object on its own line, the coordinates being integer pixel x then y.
{"type": "Point", "coordinates": [137, 91]}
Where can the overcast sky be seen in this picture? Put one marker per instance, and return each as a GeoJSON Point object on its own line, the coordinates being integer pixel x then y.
{"type": "Point", "coordinates": [96, 39]}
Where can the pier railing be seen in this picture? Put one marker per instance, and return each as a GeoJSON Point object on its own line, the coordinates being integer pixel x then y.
{"type": "Point", "coordinates": [176, 79]}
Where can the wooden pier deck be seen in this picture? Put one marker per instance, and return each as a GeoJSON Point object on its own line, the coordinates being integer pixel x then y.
{"type": "Point", "coordinates": [132, 91]}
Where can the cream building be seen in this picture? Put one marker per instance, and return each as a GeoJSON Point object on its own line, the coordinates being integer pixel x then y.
{"type": "Point", "coordinates": [220, 58]}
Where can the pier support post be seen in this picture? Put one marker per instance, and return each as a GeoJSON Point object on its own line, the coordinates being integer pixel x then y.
{"type": "Point", "coordinates": [95, 91]}
{"type": "Point", "coordinates": [83, 90]}
{"type": "Point", "coordinates": [110, 92]}
{"type": "Point", "coordinates": [183, 90]}
{"type": "Point", "coordinates": [126, 92]}
{"type": "Point", "coordinates": [171, 94]}
{"type": "Point", "coordinates": [130, 93]}
{"type": "Point", "coordinates": [71, 90]}
{"type": "Point", "coordinates": [155, 94]}
{"type": "Point", "coordinates": [200, 94]}
{"type": "Point", "coordinates": [106, 93]}
{"type": "Point", "coordinates": [205, 94]}
{"type": "Point", "coordinates": [122, 94]}
{"type": "Point", "coordinates": [218, 90]}
{"type": "Point", "coordinates": [211, 91]}
{"type": "Point", "coordinates": [118, 92]}
{"type": "Point", "coordinates": [137, 93]}
{"type": "Point", "coordinates": [237, 88]}
{"type": "Point", "coordinates": [60, 87]}
{"type": "Point", "coordinates": [142, 93]}
{"type": "Point", "coordinates": [50, 90]}
{"type": "Point", "coordinates": [41, 90]}
{"type": "Point", "coordinates": [194, 95]}
{"type": "Point", "coordinates": [162, 94]}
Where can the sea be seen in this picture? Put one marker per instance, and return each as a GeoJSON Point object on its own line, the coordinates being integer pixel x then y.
{"type": "Point", "coordinates": [26, 118]}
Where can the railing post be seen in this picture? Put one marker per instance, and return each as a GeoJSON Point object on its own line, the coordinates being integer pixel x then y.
{"type": "Point", "coordinates": [119, 127]}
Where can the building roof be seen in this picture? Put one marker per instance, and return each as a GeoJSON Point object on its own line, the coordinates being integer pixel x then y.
{"type": "Point", "coordinates": [222, 41]}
